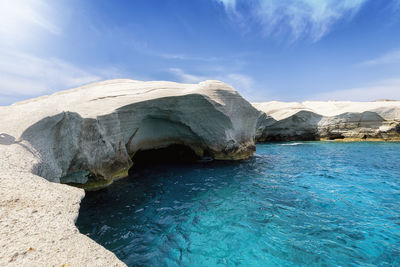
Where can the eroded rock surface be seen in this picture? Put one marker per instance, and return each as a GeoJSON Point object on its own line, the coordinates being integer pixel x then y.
{"type": "Point", "coordinates": [331, 120]}
{"type": "Point", "coordinates": [88, 135]}
{"type": "Point", "coordinates": [93, 131]}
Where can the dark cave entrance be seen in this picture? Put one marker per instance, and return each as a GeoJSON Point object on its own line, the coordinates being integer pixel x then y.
{"type": "Point", "coordinates": [336, 136]}
{"type": "Point", "coordinates": [172, 154]}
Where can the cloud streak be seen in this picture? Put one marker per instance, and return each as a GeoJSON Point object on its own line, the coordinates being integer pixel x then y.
{"type": "Point", "coordinates": [392, 57]}
{"type": "Point", "coordinates": [20, 17]}
{"type": "Point", "coordinates": [387, 89]}
{"type": "Point", "coordinates": [294, 19]}
{"type": "Point", "coordinates": [186, 77]}
{"type": "Point", "coordinates": [23, 75]}
{"type": "Point", "coordinates": [245, 84]}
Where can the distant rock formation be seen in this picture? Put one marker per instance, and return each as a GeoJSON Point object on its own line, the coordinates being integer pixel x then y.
{"type": "Point", "coordinates": [331, 120]}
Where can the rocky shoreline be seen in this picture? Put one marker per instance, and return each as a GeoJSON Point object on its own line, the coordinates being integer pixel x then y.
{"type": "Point", "coordinates": [89, 137]}
{"type": "Point", "coordinates": [333, 120]}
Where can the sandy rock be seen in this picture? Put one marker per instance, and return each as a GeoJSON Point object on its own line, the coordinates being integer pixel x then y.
{"type": "Point", "coordinates": [88, 135]}
{"type": "Point", "coordinates": [331, 120]}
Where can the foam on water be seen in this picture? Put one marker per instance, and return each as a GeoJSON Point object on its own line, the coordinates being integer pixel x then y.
{"type": "Point", "coordinates": [318, 204]}
{"type": "Point", "coordinates": [291, 144]}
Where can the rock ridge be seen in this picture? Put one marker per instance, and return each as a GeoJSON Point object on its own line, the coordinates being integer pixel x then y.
{"type": "Point", "coordinates": [328, 120]}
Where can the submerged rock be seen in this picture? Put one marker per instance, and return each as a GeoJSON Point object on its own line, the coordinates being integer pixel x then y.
{"type": "Point", "coordinates": [331, 120]}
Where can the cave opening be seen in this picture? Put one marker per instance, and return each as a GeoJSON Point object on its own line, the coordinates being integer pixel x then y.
{"type": "Point", "coordinates": [175, 153]}
{"type": "Point", "coordinates": [336, 136]}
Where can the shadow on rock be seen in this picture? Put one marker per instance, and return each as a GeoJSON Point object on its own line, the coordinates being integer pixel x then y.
{"type": "Point", "coordinates": [6, 139]}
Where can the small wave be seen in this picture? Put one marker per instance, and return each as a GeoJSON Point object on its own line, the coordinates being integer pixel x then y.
{"type": "Point", "coordinates": [292, 144]}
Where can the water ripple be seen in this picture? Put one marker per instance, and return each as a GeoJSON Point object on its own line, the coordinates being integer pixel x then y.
{"type": "Point", "coordinates": [304, 204]}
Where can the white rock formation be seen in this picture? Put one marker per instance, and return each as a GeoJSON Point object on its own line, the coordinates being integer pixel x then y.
{"type": "Point", "coordinates": [316, 120]}
{"type": "Point", "coordinates": [88, 135]}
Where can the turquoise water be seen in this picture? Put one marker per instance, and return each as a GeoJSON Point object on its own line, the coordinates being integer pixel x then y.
{"type": "Point", "coordinates": [292, 204]}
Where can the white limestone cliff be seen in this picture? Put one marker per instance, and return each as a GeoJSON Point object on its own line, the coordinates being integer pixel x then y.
{"type": "Point", "coordinates": [328, 120]}
{"type": "Point", "coordinates": [88, 135]}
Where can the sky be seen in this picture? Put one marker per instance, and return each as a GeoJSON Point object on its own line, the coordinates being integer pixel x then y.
{"type": "Point", "coordinates": [287, 50]}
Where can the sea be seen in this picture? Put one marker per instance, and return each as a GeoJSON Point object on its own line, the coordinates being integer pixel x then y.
{"type": "Point", "coordinates": [291, 204]}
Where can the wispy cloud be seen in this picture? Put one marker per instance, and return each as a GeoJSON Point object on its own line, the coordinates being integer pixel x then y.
{"type": "Point", "coordinates": [245, 84]}
{"type": "Point", "coordinates": [26, 74]}
{"type": "Point", "coordinates": [391, 57]}
{"type": "Point", "coordinates": [230, 5]}
{"type": "Point", "coordinates": [20, 17]}
{"type": "Point", "coordinates": [387, 89]}
{"type": "Point", "coordinates": [23, 75]}
{"type": "Point", "coordinates": [295, 19]}
{"type": "Point", "coordinates": [242, 83]}
{"type": "Point", "coordinates": [186, 77]}
{"type": "Point", "coordinates": [186, 57]}
{"type": "Point", "coordinates": [173, 56]}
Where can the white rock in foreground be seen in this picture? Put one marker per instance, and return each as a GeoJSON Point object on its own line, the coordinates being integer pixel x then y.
{"type": "Point", "coordinates": [316, 120]}
{"type": "Point", "coordinates": [93, 131]}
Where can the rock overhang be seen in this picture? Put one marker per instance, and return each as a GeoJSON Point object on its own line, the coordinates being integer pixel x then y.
{"type": "Point", "coordinates": [88, 135]}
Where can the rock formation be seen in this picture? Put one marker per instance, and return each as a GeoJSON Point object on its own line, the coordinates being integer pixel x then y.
{"type": "Point", "coordinates": [88, 136]}
{"type": "Point", "coordinates": [91, 135]}
{"type": "Point", "coordinates": [332, 120]}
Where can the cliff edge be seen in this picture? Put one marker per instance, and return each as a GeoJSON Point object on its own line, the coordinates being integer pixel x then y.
{"type": "Point", "coordinates": [329, 120]}
{"type": "Point", "coordinates": [88, 136]}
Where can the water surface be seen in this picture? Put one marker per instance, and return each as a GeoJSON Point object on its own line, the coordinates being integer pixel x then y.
{"type": "Point", "coordinates": [292, 204]}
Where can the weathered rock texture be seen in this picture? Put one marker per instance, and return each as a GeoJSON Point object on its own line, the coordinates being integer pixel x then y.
{"type": "Point", "coordinates": [332, 120]}
{"type": "Point", "coordinates": [88, 135]}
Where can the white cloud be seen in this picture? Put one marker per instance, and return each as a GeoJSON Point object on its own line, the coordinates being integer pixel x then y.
{"type": "Point", "coordinates": [388, 58]}
{"type": "Point", "coordinates": [24, 75]}
{"type": "Point", "coordinates": [242, 83]}
{"type": "Point", "coordinates": [296, 18]}
{"type": "Point", "coordinates": [230, 5]}
{"type": "Point", "coordinates": [19, 19]}
{"type": "Point", "coordinates": [186, 77]}
{"type": "Point", "coordinates": [185, 57]}
{"type": "Point", "coordinates": [388, 89]}
{"type": "Point", "coordinates": [234, 79]}
{"type": "Point", "coordinates": [173, 56]}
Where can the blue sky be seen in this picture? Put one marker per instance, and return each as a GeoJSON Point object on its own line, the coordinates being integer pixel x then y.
{"type": "Point", "coordinates": [289, 50]}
